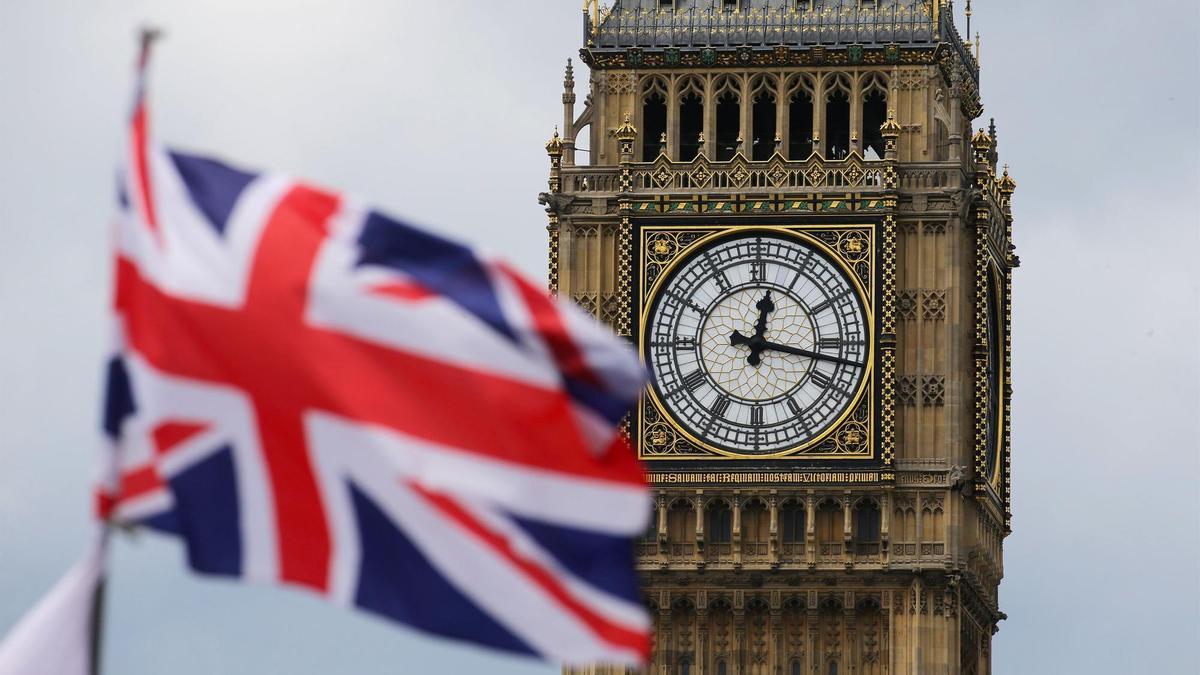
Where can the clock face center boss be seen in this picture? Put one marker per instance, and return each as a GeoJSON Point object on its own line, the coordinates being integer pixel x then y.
{"type": "Point", "coordinates": [758, 343]}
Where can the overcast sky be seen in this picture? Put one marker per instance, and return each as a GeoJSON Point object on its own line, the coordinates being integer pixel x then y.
{"type": "Point", "coordinates": [437, 112]}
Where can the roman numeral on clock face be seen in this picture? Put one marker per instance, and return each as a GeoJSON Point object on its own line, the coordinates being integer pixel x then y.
{"type": "Point", "coordinates": [821, 307]}
{"type": "Point", "coordinates": [694, 379]}
{"type": "Point", "coordinates": [830, 343]}
{"type": "Point", "coordinates": [821, 379]}
{"type": "Point", "coordinates": [793, 406]}
{"type": "Point", "coordinates": [719, 406]}
{"type": "Point", "coordinates": [756, 415]}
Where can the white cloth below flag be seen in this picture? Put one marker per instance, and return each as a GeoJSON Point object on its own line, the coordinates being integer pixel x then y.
{"type": "Point", "coordinates": [55, 637]}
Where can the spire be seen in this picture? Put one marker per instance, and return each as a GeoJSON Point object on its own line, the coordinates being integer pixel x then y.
{"type": "Point", "coordinates": [569, 78]}
{"type": "Point", "coordinates": [994, 155]}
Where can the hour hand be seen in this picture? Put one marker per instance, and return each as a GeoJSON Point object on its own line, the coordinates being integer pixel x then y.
{"type": "Point", "coordinates": [755, 344]}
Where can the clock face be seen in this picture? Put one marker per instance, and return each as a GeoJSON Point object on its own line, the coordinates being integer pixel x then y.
{"type": "Point", "coordinates": [757, 343]}
{"type": "Point", "coordinates": [995, 377]}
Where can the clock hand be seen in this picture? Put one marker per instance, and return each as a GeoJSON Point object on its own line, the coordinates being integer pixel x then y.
{"type": "Point", "coordinates": [764, 307]}
{"type": "Point", "coordinates": [755, 342]}
{"type": "Point", "coordinates": [766, 344]}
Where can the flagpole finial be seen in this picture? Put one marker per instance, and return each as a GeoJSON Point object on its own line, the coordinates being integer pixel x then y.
{"type": "Point", "coordinates": [147, 36]}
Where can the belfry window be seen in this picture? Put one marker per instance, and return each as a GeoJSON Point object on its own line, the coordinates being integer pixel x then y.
{"type": "Point", "coordinates": [654, 125]}
{"type": "Point", "coordinates": [800, 126]}
{"type": "Point", "coordinates": [837, 125]}
{"type": "Point", "coordinates": [691, 125]}
{"type": "Point", "coordinates": [764, 126]}
{"type": "Point", "coordinates": [728, 126]}
{"type": "Point", "coordinates": [874, 114]}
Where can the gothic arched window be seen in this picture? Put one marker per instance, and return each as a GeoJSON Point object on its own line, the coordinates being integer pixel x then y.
{"type": "Point", "coordinates": [756, 528]}
{"type": "Point", "coordinates": [654, 118]}
{"type": "Point", "coordinates": [681, 528]}
{"type": "Point", "coordinates": [874, 114]}
{"type": "Point", "coordinates": [837, 119]}
{"type": "Point", "coordinates": [941, 142]}
{"type": "Point", "coordinates": [866, 527]}
{"type": "Point", "coordinates": [829, 527]}
{"type": "Point", "coordinates": [691, 119]}
{"type": "Point", "coordinates": [793, 523]}
{"type": "Point", "coordinates": [718, 524]}
{"type": "Point", "coordinates": [729, 119]}
{"type": "Point", "coordinates": [763, 112]}
{"type": "Point", "coordinates": [800, 120]}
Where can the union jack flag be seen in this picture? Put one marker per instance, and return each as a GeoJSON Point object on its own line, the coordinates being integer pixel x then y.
{"type": "Point", "coordinates": [307, 391]}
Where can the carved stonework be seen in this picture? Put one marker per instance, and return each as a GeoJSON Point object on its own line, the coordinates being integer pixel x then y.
{"type": "Point", "coordinates": [906, 390]}
{"type": "Point", "coordinates": [933, 390]}
{"type": "Point", "coordinates": [933, 305]}
{"type": "Point", "coordinates": [906, 305]}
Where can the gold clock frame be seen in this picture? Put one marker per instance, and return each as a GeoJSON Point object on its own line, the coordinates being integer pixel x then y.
{"type": "Point", "coordinates": [993, 268]}
{"type": "Point", "coordinates": [852, 248]}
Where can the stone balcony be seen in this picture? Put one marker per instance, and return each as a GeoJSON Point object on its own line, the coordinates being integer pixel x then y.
{"type": "Point", "coordinates": [814, 175]}
{"type": "Point", "coordinates": [659, 555]}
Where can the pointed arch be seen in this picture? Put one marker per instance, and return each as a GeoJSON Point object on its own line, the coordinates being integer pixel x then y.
{"type": "Point", "coordinates": [866, 526]}
{"type": "Point", "coordinates": [727, 94]}
{"type": "Point", "coordinates": [874, 102]}
{"type": "Point", "coordinates": [793, 528]}
{"type": "Point", "coordinates": [718, 527]}
{"type": "Point", "coordinates": [836, 136]}
{"type": "Point", "coordinates": [689, 93]}
{"type": "Point", "coordinates": [681, 528]}
{"type": "Point", "coordinates": [755, 528]}
{"type": "Point", "coordinates": [653, 122]}
{"type": "Point", "coordinates": [799, 96]}
{"type": "Point", "coordinates": [764, 115]}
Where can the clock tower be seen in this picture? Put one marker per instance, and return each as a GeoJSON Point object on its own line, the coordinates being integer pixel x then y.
{"type": "Point", "coordinates": [786, 208]}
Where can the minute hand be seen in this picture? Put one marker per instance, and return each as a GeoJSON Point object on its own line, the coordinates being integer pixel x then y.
{"type": "Point", "coordinates": [810, 354]}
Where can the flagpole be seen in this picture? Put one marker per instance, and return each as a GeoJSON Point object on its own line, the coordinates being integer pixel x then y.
{"type": "Point", "coordinates": [147, 36]}
{"type": "Point", "coordinates": [97, 618]}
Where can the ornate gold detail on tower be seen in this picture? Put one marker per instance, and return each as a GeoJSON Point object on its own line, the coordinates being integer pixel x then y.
{"type": "Point", "coordinates": [626, 133]}
{"type": "Point", "coordinates": [554, 146]}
